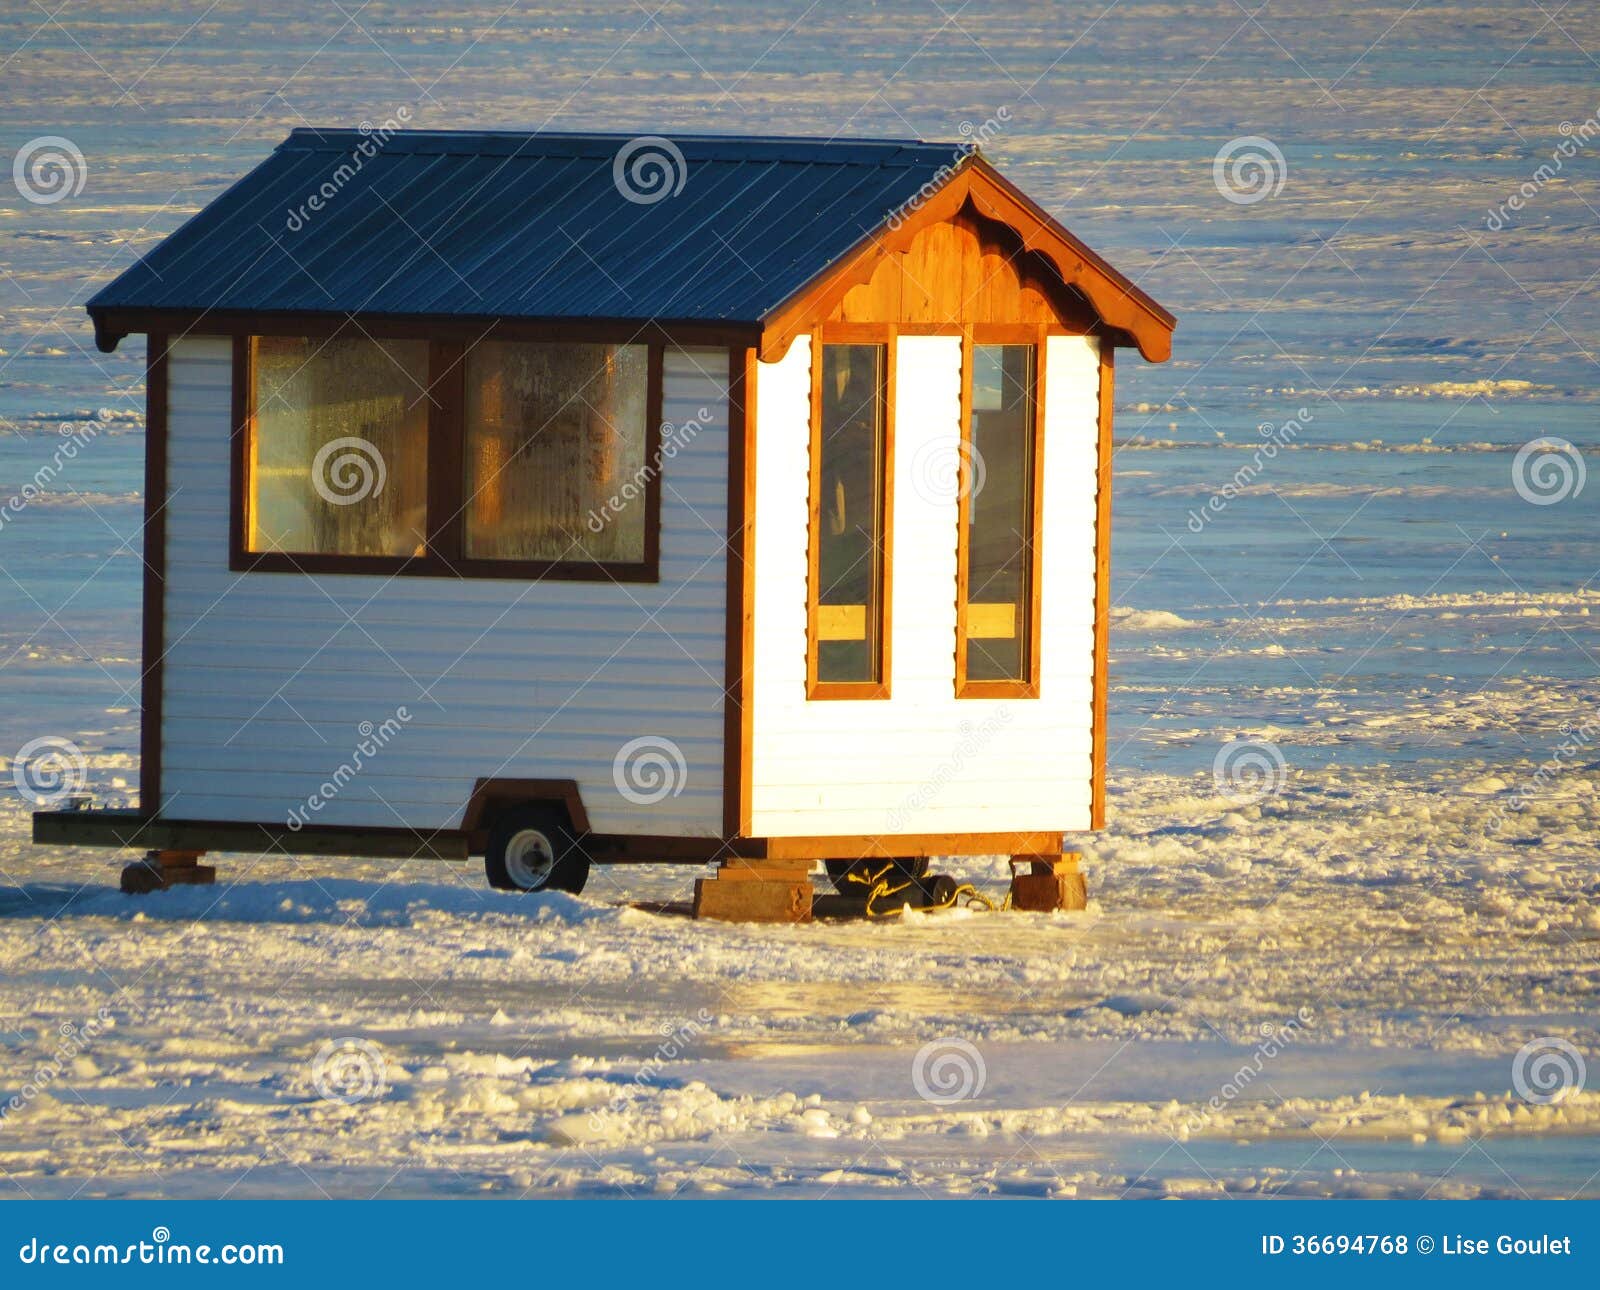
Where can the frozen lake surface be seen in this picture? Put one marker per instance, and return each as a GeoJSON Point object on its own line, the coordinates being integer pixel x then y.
{"type": "Point", "coordinates": [1375, 942]}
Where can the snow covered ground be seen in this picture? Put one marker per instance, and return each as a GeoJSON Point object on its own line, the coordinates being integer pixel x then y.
{"type": "Point", "coordinates": [1343, 938]}
{"type": "Point", "coordinates": [1321, 994]}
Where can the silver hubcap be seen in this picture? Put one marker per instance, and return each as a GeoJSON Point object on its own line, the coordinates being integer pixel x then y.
{"type": "Point", "coordinates": [530, 859]}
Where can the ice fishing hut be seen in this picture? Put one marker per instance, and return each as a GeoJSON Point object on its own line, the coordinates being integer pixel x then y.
{"type": "Point", "coordinates": [568, 498]}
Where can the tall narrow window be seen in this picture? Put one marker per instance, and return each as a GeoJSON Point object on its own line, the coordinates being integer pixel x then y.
{"type": "Point", "coordinates": [338, 447]}
{"type": "Point", "coordinates": [849, 522]}
{"type": "Point", "coordinates": [997, 647]}
{"type": "Point", "coordinates": [555, 448]}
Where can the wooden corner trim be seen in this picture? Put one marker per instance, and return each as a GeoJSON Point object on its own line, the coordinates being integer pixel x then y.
{"type": "Point", "coordinates": [1102, 590]}
{"type": "Point", "coordinates": [153, 625]}
{"type": "Point", "coordinates": [739, 645]}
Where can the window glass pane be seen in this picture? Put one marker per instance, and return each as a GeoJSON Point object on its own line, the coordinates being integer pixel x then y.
{"type": "Point", "coordinates": [339, 460]}
{"type": "Point", "coordinates": [850, 514]}
{"type": "Point", "coordinates": [1000, 514]}
{"type": "Point", "coordinates": [555, 452]}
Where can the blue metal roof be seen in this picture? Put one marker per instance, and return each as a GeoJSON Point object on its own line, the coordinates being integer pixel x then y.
{"type": "Point", "coordinates": [529, 225]}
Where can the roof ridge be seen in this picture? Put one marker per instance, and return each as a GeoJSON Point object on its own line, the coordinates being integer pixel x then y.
{"type": "Point", "coordinates": [532, 144]}
{"type": "Point", "coordinates": [625, 136]}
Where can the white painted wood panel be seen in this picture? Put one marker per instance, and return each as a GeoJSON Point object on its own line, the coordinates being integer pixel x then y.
{"type": "Point", "coordinates": [268, 677]}
{"type": "Point", "coordinates": [922, 761]}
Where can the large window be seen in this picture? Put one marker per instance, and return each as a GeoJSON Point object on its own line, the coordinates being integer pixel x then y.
{"type": "Point", "coordinates": [850, 454]}
{"type": "Point", "coordinates": [554, 433]}
{"type": "Point", "coordinates": [997, 602]}
{"type": "Point", "coordinates": [340, 450]}
{"type": "Point", "coordinates": [503, 458]}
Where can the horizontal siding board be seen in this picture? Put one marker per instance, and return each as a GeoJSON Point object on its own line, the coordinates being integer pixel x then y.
{"type": "Point", "coordinates": [348, 655]}
{"type": "Point", "coordinates": [268, 677]}
{"type": "Point", "coordinates": [460, 702]}
{"type": "Point", "coordinates": [352, 810]}
{"type": "Point", "coordinates": [279, 734]}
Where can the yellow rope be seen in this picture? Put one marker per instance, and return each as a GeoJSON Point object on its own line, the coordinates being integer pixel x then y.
{"type": "Point", "coordinates": [880, 889]}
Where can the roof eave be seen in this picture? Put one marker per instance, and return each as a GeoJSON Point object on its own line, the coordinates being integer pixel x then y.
{"type": "Point", "coordinates": [112, 323]}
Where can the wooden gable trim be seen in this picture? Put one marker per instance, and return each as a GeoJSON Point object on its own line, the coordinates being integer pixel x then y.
{"type": "Point", "coordinates": [1121, 305]}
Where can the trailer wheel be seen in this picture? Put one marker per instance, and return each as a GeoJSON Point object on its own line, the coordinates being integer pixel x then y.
{"type": "Point", "coordinates": [532, 848]}
{"type": "Point", "coordinates": [850, 876]}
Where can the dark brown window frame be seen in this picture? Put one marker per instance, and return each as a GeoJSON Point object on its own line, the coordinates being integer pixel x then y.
{"type": "Point", "coordinates": [1021, 687]}
{"type": "Point", "coordinates": [445, 556]}
{"type": "Point", "coordinates": [851, 334]}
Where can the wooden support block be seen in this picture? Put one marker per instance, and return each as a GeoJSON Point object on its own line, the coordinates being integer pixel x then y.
{"type": "Point", "coordinates": [764, 871]}
{"type": "Point", "coordinates": [174, 859]}
{"type": "Point", "coordinates": [162, 869]}
{"type": "Point", "coordinates": [759, 891]}
{"type": "Point", "coordinates": [1052, 882]}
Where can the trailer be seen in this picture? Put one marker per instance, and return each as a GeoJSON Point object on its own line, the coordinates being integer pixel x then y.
{"type": "Point", "coordinates": [574, 499]}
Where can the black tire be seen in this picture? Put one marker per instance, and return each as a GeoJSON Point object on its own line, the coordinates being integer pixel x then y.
{"type": "Point", "coordinates": [551, 860]}
{"type": "Point", "coordinates": [906, 869]}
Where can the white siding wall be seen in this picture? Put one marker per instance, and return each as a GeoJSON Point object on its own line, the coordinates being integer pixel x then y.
{"type": "Point", "coordinates": [922, 761]}
{"type": "Point", "coordinates": [269, 677]}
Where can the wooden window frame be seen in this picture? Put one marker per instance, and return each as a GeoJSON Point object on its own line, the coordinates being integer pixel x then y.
{"type": "Point", "coordinates": [851, 334]}
{"type": "Point", "coordinates": [1023, 687]}
{"type": "Point", "coordinates": [445, 554]}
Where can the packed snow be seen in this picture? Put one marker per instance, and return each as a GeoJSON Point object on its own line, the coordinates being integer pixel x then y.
{"type": "Point", "coordinates": [1322, 993]}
